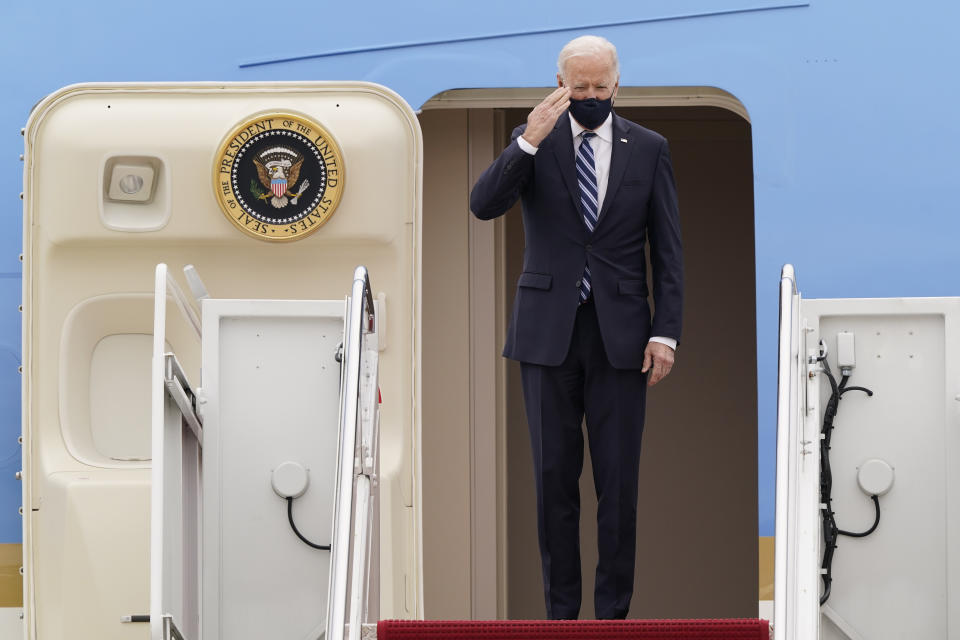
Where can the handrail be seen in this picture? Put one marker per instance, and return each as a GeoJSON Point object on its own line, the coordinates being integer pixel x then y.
{"type": "Point", "coordinates": [178, 388]}
{"type": "Point", "coordinates": [170, 630]}
{"type": "Point", "coordinates": [786, 403]}
{"type": "Point", "coordinates": [189, 314]}
{"type": "Point", "coordinates": [157, 432]}
{"type": "Point", "coordinates": [168, 380]}
{"type": "Point", "coordinates": [365, 477]}
{"type": "Point", "coordinates": [360, 319]}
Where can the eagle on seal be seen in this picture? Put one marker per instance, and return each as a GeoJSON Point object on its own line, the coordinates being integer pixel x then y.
{"type": "Point", "coordinates": [279, 169]}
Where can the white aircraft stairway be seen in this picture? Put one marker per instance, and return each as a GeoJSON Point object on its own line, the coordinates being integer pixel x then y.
{"type": "Point", "coordinates": [287, 411]}
{"type": "Point", "coordinates": [866, 523]}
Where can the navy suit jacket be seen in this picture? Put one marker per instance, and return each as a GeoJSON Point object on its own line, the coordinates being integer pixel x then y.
{"type": "Point", "coordinates": [640, 203]}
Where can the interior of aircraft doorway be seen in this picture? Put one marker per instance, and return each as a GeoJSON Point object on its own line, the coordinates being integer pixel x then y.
{"type": "Point", "coordinates": [697, 527]}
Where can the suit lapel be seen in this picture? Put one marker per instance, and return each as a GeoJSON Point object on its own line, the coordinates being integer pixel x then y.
{"type": "Point", "coordinates": [563, 150]}
{"type": "Point", "coordinates": [619, 158]}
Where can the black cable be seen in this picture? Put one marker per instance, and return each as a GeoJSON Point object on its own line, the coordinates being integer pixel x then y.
{"type": "Point", "coordinates": [829, 523]}
{"type": "Point", "coordinates": [864, 389]}
{"type": "Point", "coordinates": [324, 547]}
{"type": "Point", "coordinates": [876, 521]}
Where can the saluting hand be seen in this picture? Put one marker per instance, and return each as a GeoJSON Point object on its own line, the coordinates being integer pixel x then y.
{"type": "Point", "coordinates": [658, 360]}
{"type": "Point", "coordinates": [544, 116]}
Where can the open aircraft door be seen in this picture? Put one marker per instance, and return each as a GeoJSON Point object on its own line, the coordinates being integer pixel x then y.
{"type": "Point", "coordinates": [868, 468]}
{"type": "Point", "coordinates": [275, 192]}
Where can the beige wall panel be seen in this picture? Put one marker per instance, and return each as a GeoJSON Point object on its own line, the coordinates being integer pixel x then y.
{"type": "Point", "coordinates": [697, 552]}
{"type": "Point", "coordinates": [525, 587]}
{"type": "Point", "coordinates": [446, 367]}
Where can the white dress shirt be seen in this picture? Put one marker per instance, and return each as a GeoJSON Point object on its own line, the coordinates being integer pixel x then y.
{"type": "Point", "coordinates": [602, 145]}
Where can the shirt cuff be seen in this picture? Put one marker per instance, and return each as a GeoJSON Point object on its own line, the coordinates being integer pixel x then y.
{"type": "Point", "coordinates": [526, 146]}
{"type": "Point", "coordinates": [670, 342]}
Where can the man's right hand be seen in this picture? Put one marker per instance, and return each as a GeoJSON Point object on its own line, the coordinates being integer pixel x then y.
{"type": "Point", "coordinates": [544, 116]}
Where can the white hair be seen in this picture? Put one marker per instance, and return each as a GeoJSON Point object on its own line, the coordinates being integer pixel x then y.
{"type": "Point", "coordinates": [588, 46]}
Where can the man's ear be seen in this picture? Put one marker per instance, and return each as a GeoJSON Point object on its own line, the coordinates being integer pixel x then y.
{"type": "Point", "coordinates": [559, 81]}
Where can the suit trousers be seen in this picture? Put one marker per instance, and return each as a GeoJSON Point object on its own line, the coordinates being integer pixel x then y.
{"type": "Point", "coordinates": [613, 401]}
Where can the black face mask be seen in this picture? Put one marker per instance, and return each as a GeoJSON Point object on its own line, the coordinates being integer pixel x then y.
{"type": "Point", "coordinates": [590, 113]}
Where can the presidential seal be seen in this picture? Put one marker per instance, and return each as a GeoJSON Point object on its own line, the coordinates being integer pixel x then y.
{"type": "Point", "coordinates": [279, 176]}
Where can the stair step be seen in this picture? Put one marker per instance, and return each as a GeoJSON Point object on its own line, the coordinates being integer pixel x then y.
{"type": "Point", "coordinates": [728, 629]}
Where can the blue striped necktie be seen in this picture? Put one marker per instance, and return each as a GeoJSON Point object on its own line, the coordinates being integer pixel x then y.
{"type": "Point", "coordinates": [587, 179]}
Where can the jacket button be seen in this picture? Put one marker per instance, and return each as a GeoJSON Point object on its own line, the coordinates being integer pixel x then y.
{"type": "Point", "coordinates": [589, 247]}
{"type": "Point", "coordinates": [579, 282]}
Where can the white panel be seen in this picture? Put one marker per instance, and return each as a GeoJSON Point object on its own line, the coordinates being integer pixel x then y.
{"type": "Point", "coordinates": [900, 569]}
{"type": "Point", "coordinates": [895, 583]}
{"type": "Point", "coordinates": [120, 396]}
{"type": "Point", "coordinates": [11, 623]}
{"type": "Point", "coordinates": [272, 383]}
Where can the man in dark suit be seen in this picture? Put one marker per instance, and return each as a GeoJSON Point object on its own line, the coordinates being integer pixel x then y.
{"type": "Point", "coordinates": [595, 188]}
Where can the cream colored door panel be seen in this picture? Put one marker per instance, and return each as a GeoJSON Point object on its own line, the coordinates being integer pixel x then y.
{"type": "Point", "coordinates": [121, 177]}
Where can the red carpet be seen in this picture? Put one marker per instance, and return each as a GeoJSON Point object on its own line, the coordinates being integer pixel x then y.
{"type": "Point", "coordinates": [580, 629]}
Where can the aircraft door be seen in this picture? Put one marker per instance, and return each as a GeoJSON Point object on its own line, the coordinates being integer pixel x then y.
{"type": "Point", "coordinates": [276, 191]}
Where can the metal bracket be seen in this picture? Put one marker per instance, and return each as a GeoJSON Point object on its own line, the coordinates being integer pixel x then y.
{"type": "Point", "coordinates": [368, 401]}
{"type": "Point", "coordinates": [178, 388]}
{"type": "Point", "coordinates": [170, 631]}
